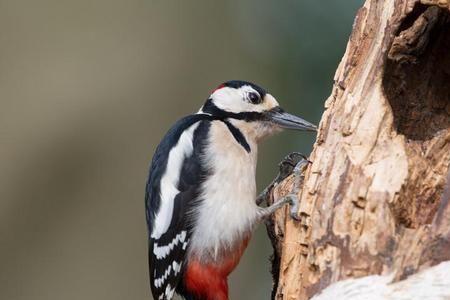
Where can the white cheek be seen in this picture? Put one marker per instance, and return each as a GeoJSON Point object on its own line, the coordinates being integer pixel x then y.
{"type": "Point", "coordinates": [231, 100]}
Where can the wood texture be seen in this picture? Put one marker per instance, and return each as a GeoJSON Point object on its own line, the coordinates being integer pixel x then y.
{"type": "Point", "coordinates": [373, 200]}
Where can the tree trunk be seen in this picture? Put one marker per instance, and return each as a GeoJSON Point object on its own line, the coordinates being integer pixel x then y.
{"type": "Point", "coordinates": [373, 200]}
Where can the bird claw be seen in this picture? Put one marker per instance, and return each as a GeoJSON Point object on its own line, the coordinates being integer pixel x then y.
{"type": "Point", "coordinates": [299, 169]}
{"type": "Point", "coordinates": [294, 203]}
{"type": "Point", "coordinates": [290, 163]}
{"type": "Point", "coordinates": [301, 166]}
{"type": "Point", "coordinates": [294, 162]}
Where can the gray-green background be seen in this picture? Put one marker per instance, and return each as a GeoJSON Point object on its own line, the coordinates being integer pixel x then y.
{"type": "Point", "coordinates": [87, 89]}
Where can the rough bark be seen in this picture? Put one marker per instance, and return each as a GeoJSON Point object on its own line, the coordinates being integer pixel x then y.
{"type": "Point", "coordinates": [373, 200]}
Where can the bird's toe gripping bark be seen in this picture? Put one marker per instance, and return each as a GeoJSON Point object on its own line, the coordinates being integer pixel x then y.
{"type": "Point", "coordinates": [293, 163]}
{"type": "Point", "coordinates": [299, 176]}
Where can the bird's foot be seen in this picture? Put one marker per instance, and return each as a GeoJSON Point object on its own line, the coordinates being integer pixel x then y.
{"type": "Point", "coordinates": [299, 176]}
{"type": "Point", "coordinates": [286, 167]}
{"type": "Point", "coordinates": [293, 163]}
{"type": "Point", "coordinates": [265, 212]}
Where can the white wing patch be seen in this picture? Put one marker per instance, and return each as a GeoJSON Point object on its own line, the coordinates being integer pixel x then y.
{"type": "Point", "coordinates": [162, 251]}
{"type": "Point", "coordinates": [176, 267]}
{"type": "Point", "coordinates": [168, 293]}
{"type": "Point", "coordinates": [170, 179]}
{"type": "Point", "coordinates": [159, 281]}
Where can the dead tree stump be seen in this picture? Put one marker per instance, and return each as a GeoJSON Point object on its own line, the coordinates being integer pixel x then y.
{"type": "Point", "coordinates": [373, 201]}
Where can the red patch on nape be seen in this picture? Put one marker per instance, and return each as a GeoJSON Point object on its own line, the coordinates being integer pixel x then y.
{"type": "Point", "coordinates": [219, 87]}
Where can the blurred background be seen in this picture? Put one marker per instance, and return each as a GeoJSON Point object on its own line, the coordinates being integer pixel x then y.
{"type": "Point", "coordinates": [88, 88]}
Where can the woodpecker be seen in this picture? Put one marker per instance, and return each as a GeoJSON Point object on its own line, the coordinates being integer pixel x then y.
{"type": "Point", "coordinates": [200, 197]}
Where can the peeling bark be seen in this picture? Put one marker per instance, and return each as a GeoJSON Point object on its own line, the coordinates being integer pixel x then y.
{"type": "Point", "coordinates": [373, 201]}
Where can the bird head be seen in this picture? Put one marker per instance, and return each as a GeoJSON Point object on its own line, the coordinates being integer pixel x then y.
{"type": "Point", "coordinates": [251, 109]}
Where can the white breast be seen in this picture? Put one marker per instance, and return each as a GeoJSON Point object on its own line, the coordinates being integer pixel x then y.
{"type": "Point", "coordinates": [228, 210]}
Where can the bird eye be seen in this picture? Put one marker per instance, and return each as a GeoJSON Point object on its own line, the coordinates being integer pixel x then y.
{"type": "Point", "coordinates": [254, 98]}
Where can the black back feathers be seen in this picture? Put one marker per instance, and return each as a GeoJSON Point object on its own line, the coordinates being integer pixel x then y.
{"type": "Point", "coordinates": [167, 252]}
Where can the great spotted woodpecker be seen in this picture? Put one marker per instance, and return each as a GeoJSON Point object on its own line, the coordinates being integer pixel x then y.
{"type": "Point", "coordinates": [200, 196]}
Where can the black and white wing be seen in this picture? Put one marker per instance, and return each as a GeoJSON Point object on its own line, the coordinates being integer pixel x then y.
{"type": "Point", "coordinates": [172, 191]}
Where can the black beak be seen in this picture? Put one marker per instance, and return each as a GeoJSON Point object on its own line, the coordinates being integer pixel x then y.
{"type": "Point", "coordinates": [288, 121]}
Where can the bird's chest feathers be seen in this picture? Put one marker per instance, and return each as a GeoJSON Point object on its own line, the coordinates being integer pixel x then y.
{"type": "Point", "coordinates": [233, 168]}
{"type": "Point", "coordinates": [228, 207]}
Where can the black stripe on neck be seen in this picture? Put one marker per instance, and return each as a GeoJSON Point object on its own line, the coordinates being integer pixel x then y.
{"type": "Point", "coordinates": [238, 136]}
{"type": "Point", "coordinates": [223, 115]}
